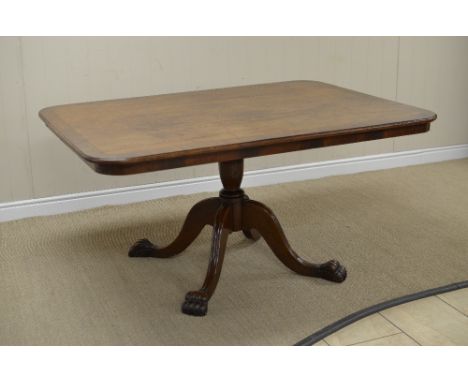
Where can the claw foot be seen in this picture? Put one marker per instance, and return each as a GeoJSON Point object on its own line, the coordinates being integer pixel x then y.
{"type": "Point", "coordinates": [333, 271]}
{"type": "Point", "coordinates": [142, 248]}
{"type": "Point", "coordinates": [195, 304]}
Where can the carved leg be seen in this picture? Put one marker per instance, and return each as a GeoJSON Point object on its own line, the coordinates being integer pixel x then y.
{"type": "Point", "coordinates": [201, 214]}
{"type": "Point", "coordinates": [196, 302]}
{"type": "Point", "coordinates": [258, 216]}
{"type": "Point", "coordinates": [251, 234]}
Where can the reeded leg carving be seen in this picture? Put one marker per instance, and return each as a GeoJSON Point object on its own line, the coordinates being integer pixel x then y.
{"type": "Point", "coordinates": [196, 302]}
{"type": "Point", "coordinates": [201, 214]}
{"type": "Point", "coordinates": [258, 216]}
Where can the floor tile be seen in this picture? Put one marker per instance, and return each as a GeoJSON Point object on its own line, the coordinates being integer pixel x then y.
{"type": "Point", "coordinates": [321, 343]}
{"type": "Point", "coordinates": [399, 339]}
{"type": "Point", "coordinates": [367, 329]}
{"type": "Point", "coordinates": [458, 299]}
{"type": "Point", "coordinates": [430, 321]}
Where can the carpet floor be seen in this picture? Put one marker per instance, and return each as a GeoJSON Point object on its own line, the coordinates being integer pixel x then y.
{"type": "Point", "coordinates": [66, 279]}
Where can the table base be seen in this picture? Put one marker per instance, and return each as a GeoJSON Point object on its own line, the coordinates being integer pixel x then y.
{"type": "Point", "coordinates": [233, 211]}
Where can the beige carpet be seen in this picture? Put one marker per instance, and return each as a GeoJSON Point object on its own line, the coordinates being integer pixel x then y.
{"type": "Point", "coordinates": [67, 280]}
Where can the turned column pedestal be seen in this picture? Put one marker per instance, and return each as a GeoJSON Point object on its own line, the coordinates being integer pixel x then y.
{"type": "Point", "coordinates": [233, 211]}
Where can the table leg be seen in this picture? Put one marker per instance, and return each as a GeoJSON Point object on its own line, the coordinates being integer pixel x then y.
{"type": "Point", "coordinates": [196, 302]}
{"type": "Point", "coordinates": [250, 233]}
{"type": "Point", "coordinates": [233, 211]}
{"type": "Point", "coordinates": [260, 217]}
{"type": "Point", "coordinates": [201, 214]}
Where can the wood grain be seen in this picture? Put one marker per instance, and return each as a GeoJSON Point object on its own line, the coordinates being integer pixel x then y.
{"type": "Point", "coordinates": [175, 130]}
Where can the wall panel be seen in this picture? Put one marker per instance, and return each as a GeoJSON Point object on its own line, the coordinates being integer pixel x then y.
{"type": "Point", "coordinates": [38, 72]}
{"type": "Point", "coordinates": [433, 74]}
{"type": "Point", "coordinates": [15, 171]}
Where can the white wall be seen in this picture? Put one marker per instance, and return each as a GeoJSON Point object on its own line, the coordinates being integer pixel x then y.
{"type": "Point", "coordinates": [38, 72]}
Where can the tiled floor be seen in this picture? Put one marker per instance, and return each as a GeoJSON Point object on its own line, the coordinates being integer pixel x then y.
{"type": "Point", "coordinates": [437, 320]}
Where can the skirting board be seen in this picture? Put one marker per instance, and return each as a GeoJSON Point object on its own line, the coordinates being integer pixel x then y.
{"type": "Point", "coordinates": [81, 201]}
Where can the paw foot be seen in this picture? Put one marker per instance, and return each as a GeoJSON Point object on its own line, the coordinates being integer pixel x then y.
{"type": "Point", "coordinates": [333, 271]}
{"type": "Point", "coordinates": [142, 248]}
{"type": "Point", "coordinates": [195, 304]}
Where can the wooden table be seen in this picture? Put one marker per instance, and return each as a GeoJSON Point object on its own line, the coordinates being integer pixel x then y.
{"type": "Point", "coordinates": [135, 135]}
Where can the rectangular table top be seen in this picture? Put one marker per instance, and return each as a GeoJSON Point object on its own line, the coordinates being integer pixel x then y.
{"type": "Point", "coordinates": [127, 136]}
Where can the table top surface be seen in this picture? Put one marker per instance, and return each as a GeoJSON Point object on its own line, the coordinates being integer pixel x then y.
{"type": "Point", "coordinates": [173, 130]}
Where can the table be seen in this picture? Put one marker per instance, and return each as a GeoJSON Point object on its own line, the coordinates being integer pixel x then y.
{"type": "Point", "coordinates": [134, 135]}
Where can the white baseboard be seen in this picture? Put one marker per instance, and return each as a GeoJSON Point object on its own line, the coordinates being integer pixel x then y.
{"type": "Point", "coordinates": [81, 201]}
